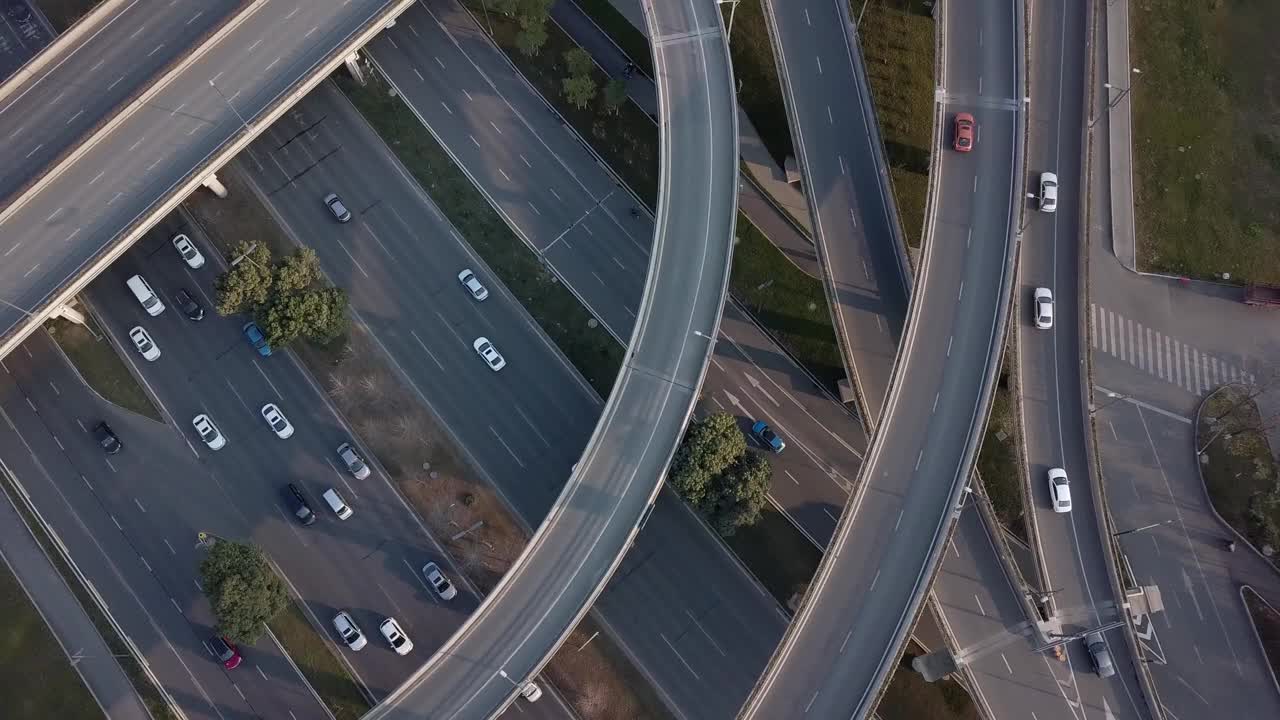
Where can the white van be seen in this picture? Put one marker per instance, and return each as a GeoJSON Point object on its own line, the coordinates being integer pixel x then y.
{"type": "Point", "coordinates": [146, 296]}
{"type": "Point", "coordinates": [340, 508]}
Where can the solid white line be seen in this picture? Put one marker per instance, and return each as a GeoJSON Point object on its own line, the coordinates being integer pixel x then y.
{"type": "Point", "coordinates": [678, 655]}
{"type": "Point", "coordinates": [710, 639]}
{"type": "Point", "coordinates": [1093, 323]}
{"type": "Point", "coordinates": [979, 601]}
{"type": "Point", "coordinates": [171, 550]}
{"type": "Point", "coordinates": [138, 502]}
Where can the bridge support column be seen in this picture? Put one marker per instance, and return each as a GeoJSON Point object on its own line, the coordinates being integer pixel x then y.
{"type": "Point", "coordinates": [215, 185]}
{"type": "Point", "coordinates": [353, 67]}
{"type": "Point", "coordinates": [66, 312]}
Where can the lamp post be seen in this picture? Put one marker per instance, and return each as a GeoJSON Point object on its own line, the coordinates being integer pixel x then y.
{"type": "Point", "coordinates": [227, 100]}
{"type": "Point", "coordinates": [1117, 397]}
{"type": "Point", "coordinates": [1136, 73]}
{"type": "Point", "coordinates": [1140, 529]}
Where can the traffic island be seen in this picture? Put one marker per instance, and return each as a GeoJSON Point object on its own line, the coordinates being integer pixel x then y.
{"type": "Point", "coordinates": [1238, 467]}
{"type": "Point", "coordinates": [1266, 626]}
{"type": "Point", "coordinates": [101, 368]}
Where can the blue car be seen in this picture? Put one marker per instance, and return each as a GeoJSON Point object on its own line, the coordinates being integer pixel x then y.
{"type": "Point", "coordinates": [254, 335]}
{"type": "Point", "coordinates": [767, 436]}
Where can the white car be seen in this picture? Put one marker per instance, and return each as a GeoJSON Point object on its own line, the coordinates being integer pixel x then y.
{"type": "Point", "coordinates": [144, 343]}
{"type": "Point", "coordinates": [278, 422]}
{"type": "Point", "coordinates": [439, 582]}
{"type": "Point", "coordinates": [188, 251]}
{"type": "Point", "coordinates": [349, 631]}
{"type": "Point", "coordinates": [472, 284]}
{"type": "Point", "coordinates": [1044, 308]}
{"type": "Point", "coordinates": [531, 691]}
{"type": "Point", "coordinates": [1059, 490]}
{"type": "Point", "coordinates": [394, 634]}
{"type": "Point", "coordinates": [209, 432]}
{"type": "Point", "coordinates": [490, 354]}
{"type": "Point", "coordinates": [1048, 192]}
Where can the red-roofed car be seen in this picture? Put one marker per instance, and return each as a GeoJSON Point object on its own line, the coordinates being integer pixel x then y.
{"type": "Point", "coordinates": [962, 140]}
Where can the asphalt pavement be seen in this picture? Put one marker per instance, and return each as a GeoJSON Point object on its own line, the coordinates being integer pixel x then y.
{"type": "Point", "coordinates": [134, 538]}
{"type": "Point", "coordinates": [81, 215]}
{"type": "Point", "coordinates": [23, 34]}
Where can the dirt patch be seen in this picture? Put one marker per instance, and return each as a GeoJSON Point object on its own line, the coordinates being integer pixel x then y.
{"type": "Point", "coordinates": [1266, 620]}
{"type": "Point", "coordinates": [1237, 464]}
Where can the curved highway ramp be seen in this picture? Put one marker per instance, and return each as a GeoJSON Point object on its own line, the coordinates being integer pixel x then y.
{"type": "Point", "coordinates": [575, 550]}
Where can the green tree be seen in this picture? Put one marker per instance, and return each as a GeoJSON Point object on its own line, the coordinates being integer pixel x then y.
{"type": "Point", "coordinates": [242, 588]}
{"type": "Point", "coordinates": [318, 313]}
{"type": "Point", "coordinates": [297, 272]}
{"type": "Point", "coordinates": [741, 493]}
{"type": "Point", "coordinates": [248, 283]}
{"type": "Point", "coordinates": [615, 93]}
{"type": "Point", "coordinates": [710, 446]}
{"type": "Point", "coordinates": [527, 13]}
{"type": "Point", "coordinates": [578, 62]}
{"type": "Point", "coordinates": [579, 90]}
{"type": "Point", "coordinates": [530, 40]}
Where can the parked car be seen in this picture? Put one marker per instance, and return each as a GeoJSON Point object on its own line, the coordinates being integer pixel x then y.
{"type": "Point", "coordinates": [145, 345]}
{"type": "Point", "coordinates": [349, 631]}
{"type": "Point", "coordinates": [1059, 490]}
{"type": "Point", "coordinates": [394, 634]}
{"type": "Point", "coordinates": [187, 249]}
{"type": "Point", "coordinates": [489, 353]}
{"type": "Point", "coordinates": [472, 284]}
{"type": "Point", "coordinates": [767, 436]}
{"type": "Point", "coordinates": [107, 438]}
{"type": "Point", "coordinates": [531, 691]}
{"type": "Point", "coordinates": [439, 582]}
{"type": "Point", "coordinates": [225, 651]}
{"type": "Point", "coordinates": [1044, 308]}
{"type": "Point", "coordinates": [1099, 655]}
{"type": "Point", "coordinates": [301, 507]}
{"type": "Point", "coordinates": [340, 211]}
{"type": "Point", "coordinates": [962, 136]}
{"type": "Point", "coordinates": [353, 462]}
{"type": "Point", "coordinates": [209, 432]}
{"type": "Point", "coordinates": [1048, 192]}
{"type": "Point", "coordinates": [280, 424]}
{"type": "Point", "coordinates": [190, 307]}
{"type": "Point", "coordinates": [254, 335]}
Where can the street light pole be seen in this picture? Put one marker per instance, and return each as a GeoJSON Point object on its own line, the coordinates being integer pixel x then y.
{"type": "Point", "coordinates": [1135, 74]}
{"type": "Point", "coordinates": [1117, 398]}
{"type": "Point", "coordinates": [226, 100]}
{"type": "Point", "coordinates": [1140, 529]}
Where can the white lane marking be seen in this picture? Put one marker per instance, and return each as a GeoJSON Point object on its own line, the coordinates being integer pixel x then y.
{"type": "Point", "coordinates": [678, 655]}
{"type": "Point", "coordinates": [505, 445]}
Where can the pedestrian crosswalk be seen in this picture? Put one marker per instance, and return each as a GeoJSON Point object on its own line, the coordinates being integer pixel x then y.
{"type": "Point", "coordinates": [1158, 354]}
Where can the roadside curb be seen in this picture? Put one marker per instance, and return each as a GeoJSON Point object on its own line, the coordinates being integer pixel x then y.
{"type": "Point", "coordinates": [1254, 627]}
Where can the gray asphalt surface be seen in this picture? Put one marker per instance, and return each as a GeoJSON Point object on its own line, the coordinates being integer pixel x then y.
{"type": "Point", "coordinates": [135, 538]}
{"type": "Point", "coordinates": [23, 33]}
{"type": "Point", "coordinates": [74, 631]}
{"type": "Point", "coordinates": [397, 229]}
{"type": "Point", "coordinates": [79, 214]}
{"type": "Point", "coordinates": [647, 409]}
{"type": "Point", "coordinates": [1071, 544]}
{"type": "Point", "coordinates": [851, 206]}
{"type": "Point", "coordinates": [915, 473]}
{"type": "Point", "coordinates": [1205, 660]}
{"type": "Point", "coordinates": [46, 114]}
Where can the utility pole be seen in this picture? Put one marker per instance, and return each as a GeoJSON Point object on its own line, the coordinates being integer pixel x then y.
{"type": "Point", "coordinates": [1135, 74]}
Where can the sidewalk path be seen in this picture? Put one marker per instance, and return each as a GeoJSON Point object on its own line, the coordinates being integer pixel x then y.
{"type": "Point", "coordinates": [783, 216]}
{"type": "Point", "coordinates": [67, 619]}
{"type": "Point", "coordinates": [1120, 132]}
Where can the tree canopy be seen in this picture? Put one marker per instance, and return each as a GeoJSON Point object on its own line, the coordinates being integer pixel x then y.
{"type": "Point", "coordinates": [289, 299]}
{"type": "Point", "coordinates": [242, 588]}
{"type": "Point", "coordinates": [718, 476]}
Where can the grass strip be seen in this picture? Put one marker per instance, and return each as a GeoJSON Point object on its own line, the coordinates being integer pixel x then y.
{"type": "Point", "coordinates": [789, 302]}
{"type": "Point", "coordinates": [593, 352]}
{"type": "Point", "coordinates": [625, 136]}
{"type": "Point", "coordinates": [36, 678]}
{"type": "Point", "coordinates": [100, 365]}
{"type": "Point", "coordinates": [779, 555]}
{"type": "Point", "coordinates": [897, 38]}
{"type": "Point", "coordinates": [1238, 466]}
{"type": "Point", "coordinates": [756, 72]}
{"type": "Point", "coordinates": [151, 696]}
{"type": "Point", "coordinates": [998, 462]}
{"type": "Point", "coordinates": [1206, 137]}
{"type": "Point", "coordinates": [315, 658]}
{"type": "Point", "coordinates": [634, 44]}
{"type": "Point", "coordinates": [1266, 620]}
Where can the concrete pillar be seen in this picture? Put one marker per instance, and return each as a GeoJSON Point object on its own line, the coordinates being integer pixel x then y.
{"type": "Point", "coordinates": [215, 185]}
{"type": "Point", "coordinates": [391, 23]}
{"type": "Point", "coordinates": [353, 67]}
{"type": "Point", "coordinates": [66, 312]}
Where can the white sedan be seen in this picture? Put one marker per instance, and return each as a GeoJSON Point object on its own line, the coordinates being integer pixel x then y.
{"type": "Point", "coordinates": [1059, 490]}
{"type": "Point", "coordinates": [439, 582]}
{"type": "Point", "coordinates": [187, 249]}
{"type": "Point", "coordinates": [349, 631]}
{"type": "Point", "coordinates": [490, 354]}
{"type": "Point", "coordinates": [1044, 308]}
{"type": "Point", "coordinates": [144, 343]}
{"type": "Point", "coordinates": [209, 432]}
{"type": "Point", "coordinates": [279, 423]}
{"type": "Point", "coordinates": [394, 634]}
{"type": "Point", "coordinates": [472, 284]}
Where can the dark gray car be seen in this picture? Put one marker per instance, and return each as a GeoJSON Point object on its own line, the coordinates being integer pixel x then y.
{"type": "Point", "coordinates": [1099, 655]}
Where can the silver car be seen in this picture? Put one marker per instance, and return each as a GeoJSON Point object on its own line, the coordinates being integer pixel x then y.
{"type": "Point", "coordinates": [1059, 490]}
{"type": "Point", "coordinates": [352, 460]}
{"type": "Point", "coordinates": [472, 284]}
{"type": "Point", "coordinates": [492, 357]}
{"type": "Point", "coordinates": [145, 345]}
{"type": "Point", "coordinates": [1048, 192]}
{"type": "Point", "coordinates": [1044, 308]}
{"type": "Point", "coordinates": [349, 631]}
{"type": "Point", "coordinates": [1099, 655]}
{"type": "Point", "coordinates": [439, 582]}
{"type": "Point", "coordinates": [340, 211]}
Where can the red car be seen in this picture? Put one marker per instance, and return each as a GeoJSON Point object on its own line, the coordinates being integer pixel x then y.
{"type": "Point", "coordinates": [226, 652]}
{"type": "Point", "coordinates": [963, 136]}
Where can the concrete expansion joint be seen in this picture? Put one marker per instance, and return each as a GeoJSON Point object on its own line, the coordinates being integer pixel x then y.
{"type": "Point", "coordinates": [676, 38]}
